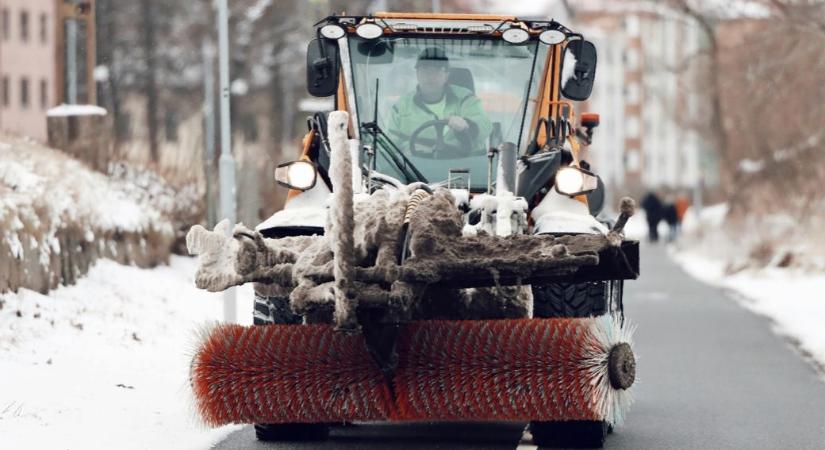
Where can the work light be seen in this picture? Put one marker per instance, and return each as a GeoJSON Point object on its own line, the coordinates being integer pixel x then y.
{"type": "Point", "coordinates": [299, 175]}
{"type": "Point", "coordinates": [369, 30]}
{"type": "Point", "coordinates": [552, 37]}
{"type": "Point", "coordinates": [332, 31]}
{"type": "Point", "coordinates": [515, 35]}
{"type": "Point", "coordinates": [574, 181]}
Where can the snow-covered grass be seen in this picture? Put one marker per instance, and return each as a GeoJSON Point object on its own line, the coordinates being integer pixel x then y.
{"type": "Point", "coordinates": [103, 364]}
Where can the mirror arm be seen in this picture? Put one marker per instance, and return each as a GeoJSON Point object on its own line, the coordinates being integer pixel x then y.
{"type": "Point", "coordinates": [321, 40]}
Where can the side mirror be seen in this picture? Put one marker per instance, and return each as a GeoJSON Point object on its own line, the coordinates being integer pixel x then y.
{"type": "Point", "coordinates": [580, 84]}
{"type": "Point", "coordinates": [596, 198]}
{"type": "Point", "coordinates": [322, 67]}
{"type": "Point", "coordinates": [300, 175]}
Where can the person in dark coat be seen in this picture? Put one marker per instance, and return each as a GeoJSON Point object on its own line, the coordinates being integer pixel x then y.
{"type": "Point", "coordinates": [653, 209]}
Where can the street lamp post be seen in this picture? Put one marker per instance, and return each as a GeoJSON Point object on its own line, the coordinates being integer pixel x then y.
{"type": "Point", "coordinates": [208, 52]}
{"type": "Point", "coordinates": [227, 163]}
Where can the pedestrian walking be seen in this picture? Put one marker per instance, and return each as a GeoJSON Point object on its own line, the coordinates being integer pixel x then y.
{"type": "Point", "coordinates": [652, 205]}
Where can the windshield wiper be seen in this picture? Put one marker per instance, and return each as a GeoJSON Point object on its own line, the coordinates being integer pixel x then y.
{"type": "Point", "coordinates": [393, 154]}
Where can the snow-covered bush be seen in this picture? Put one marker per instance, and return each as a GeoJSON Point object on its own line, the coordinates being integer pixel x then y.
{"type": "Point", "coordinates": [754, 241]}
{"type": "Point", "coordinates": [57, 216]}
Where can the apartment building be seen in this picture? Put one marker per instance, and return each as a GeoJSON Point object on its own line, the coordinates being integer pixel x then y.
{"type": "Point", "coordinates": [644, 94]}
{"type": "Point", "coordinates": [34, 68]}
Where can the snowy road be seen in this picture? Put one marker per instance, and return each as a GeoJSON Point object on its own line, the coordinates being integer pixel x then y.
{"type": "Point", "coordinates": [710, 375]}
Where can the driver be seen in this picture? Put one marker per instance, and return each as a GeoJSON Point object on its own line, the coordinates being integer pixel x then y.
{"type": "Point", "coordinates": [435, 99]}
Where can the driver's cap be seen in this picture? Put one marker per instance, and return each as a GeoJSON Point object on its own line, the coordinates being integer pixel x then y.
{"type": "Point", "coordinates": [433, 57]}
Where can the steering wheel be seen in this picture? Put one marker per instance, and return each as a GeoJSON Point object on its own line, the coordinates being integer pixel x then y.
{"type": "Point", "coordinates": [439, 147]}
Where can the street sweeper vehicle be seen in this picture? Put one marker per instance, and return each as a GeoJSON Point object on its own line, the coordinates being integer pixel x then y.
{"type": "Point", "coordinates": [439, 256]}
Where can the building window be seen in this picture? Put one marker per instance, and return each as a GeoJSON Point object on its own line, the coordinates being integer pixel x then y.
{"type": "Point", "coordinates": [632, 126]}
{"type": "Point", "coordinates": [24, 92]}
{"type": "Point", "coordinates": [44, 94]}
{"type": "Point", "coordinates": [5, 91]}
{"type": "Point", "coordinates": [631, 24]}
{"type": "Point", "coordinates": [631, 160]}
{"type": "Point", "coordinates": [631, 59]}
{"type": "Point", "coordinates": [631, 93]}
{"type": "Point", "coordinates": [44, 28]}
{"type": "Point", "coordinates": [5, 24]}
{"type": "Point", "coordinates": [24, 26]}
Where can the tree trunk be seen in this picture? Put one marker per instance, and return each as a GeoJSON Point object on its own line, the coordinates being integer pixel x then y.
{"type": "Point", "coordinates": [148, 41]}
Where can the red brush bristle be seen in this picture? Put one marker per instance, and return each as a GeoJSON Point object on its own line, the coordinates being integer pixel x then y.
{"type": "Point", "coordinates": [285, 373]}
{"type": "Point", "coordinates": [494, 370]}
{"type": "Point", "coordinates": [526, 369]}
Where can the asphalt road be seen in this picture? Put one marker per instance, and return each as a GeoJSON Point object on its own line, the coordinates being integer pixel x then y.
{"type": "Point", "coordinates": [710, 375]}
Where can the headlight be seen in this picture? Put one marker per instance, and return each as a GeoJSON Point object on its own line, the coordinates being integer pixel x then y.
{"type": "Point", "coordinates": [574, 181]}
{"type": "Point", "coordinates": [299, 175]}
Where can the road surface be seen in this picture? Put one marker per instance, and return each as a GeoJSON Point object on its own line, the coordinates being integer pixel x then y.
{"type": "Point", "coordinates": [710, 375]}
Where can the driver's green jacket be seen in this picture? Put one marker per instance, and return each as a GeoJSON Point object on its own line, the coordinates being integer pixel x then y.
{"type": "Point", "coordinates": [410, 112]}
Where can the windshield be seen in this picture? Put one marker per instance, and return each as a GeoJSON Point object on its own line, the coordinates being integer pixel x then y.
{"type": "Point", "coordinates": [442, 102]}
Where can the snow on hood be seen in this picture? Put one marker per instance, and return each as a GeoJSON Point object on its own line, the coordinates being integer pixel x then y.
{"type": "Point", "coordinates": [307, 209]}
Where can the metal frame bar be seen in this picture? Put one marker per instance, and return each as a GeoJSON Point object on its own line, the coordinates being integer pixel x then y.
{"type": "Point", "coordinates": [349, 86]}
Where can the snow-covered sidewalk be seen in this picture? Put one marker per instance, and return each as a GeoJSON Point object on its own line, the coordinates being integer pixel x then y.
{"type": "Point", "coordinates": [103, 364]}
{"type": "Point", "coordinates": [793, 299]}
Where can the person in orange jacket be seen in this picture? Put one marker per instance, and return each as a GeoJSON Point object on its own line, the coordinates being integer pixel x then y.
{"type": "Point", "coordinates": [682, 203]}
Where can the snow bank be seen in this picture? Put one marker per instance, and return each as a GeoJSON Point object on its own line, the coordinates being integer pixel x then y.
{"type": "Point", "coordinates": [104, 364]}
{"type": "Point", "coordinates": [769, 262]}
{"type": "Point", "coordinates": [57, 216]}
{"type": "Point", "coordinates": [755, 240]}
{"type": "Point", "coordinates": [792, 298]}
{"type": "Point", "coordinates": [180, 206]}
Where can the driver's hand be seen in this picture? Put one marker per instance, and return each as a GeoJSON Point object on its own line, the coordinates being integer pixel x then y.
{"type": "Point", "coordinates": [457, 123]}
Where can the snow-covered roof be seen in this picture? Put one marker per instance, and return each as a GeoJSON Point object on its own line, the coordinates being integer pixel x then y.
{"type": "Point", "coordinates": [75, 110]}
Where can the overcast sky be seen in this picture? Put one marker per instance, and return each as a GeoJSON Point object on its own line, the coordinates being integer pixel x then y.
{"type": "Point", "coordinates": [521, 7]}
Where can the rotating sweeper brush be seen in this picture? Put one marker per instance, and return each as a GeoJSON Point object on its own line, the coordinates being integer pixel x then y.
{"type": "Point", "coordinates": [503, 370]}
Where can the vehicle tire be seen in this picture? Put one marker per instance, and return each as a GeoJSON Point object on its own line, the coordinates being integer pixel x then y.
{"type": "Point", "coordinates": [273, 308]}
{"type": "Point", "coordinates": [571, 299]}
{"type": "Point", "coordinates": [569, 434]}
{"type": "Point", "coordinates": [292, 432]}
